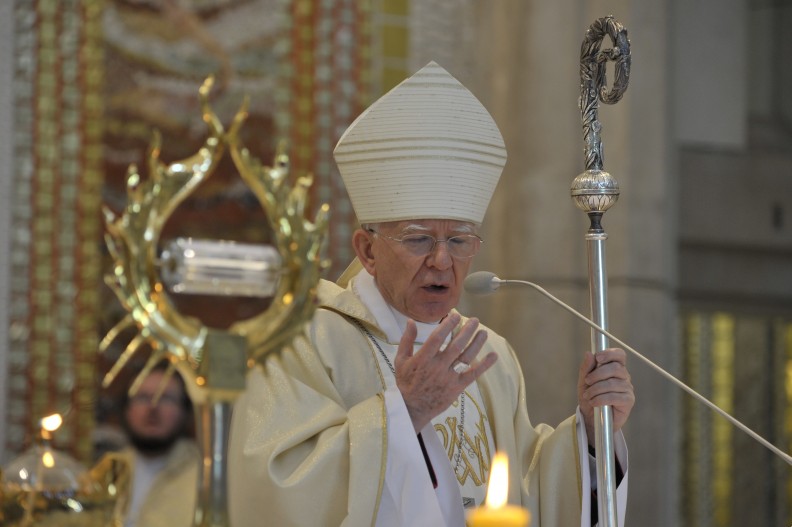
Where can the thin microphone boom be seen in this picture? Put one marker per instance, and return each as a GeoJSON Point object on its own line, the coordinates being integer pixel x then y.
{"type": "Point", "coordinates": [484, 282]}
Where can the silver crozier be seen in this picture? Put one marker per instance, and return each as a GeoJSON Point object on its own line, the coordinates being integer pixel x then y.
{"type": "Point", "coordinates": [594, 191]}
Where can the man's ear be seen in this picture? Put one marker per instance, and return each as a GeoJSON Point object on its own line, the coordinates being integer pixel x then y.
{"type": "Point", "coordinates": [362, 242]}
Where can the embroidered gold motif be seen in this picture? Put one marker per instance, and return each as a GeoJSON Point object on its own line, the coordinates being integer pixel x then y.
{"type": "Point", "coordinates": [475, 452]}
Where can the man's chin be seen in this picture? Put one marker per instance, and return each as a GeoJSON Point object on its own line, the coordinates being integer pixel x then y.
{"type": "Point", "coordinates": [153, 446]}
{"type": "Point", "coordinates": [433, 311]}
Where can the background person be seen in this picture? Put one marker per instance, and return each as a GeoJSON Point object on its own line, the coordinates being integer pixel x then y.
{"type": "Point", "coordinates": [163, 457]}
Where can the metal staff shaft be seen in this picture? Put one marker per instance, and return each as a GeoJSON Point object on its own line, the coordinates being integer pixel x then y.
{"type": "Point", "coordinates": [603, 416]}
{"type": "Point", "coordinates": [595, 191]}
{"type": "Point", "coordinates": [213, 421]}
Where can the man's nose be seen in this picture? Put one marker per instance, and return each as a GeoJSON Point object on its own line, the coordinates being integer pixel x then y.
{"type": "Point", "coordinates": [440, 257]}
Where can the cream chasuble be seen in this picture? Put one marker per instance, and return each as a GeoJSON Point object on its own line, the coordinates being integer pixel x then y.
{"type": "Point", "coordinates": [460, 458]}
{"type": "Point", "coordinates": [466, 462]}
{"type": "Point", "coordinates": [321, 437]}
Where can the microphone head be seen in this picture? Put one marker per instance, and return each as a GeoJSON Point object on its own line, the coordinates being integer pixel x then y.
{"type": "Point", "coordinates": [482, 283]}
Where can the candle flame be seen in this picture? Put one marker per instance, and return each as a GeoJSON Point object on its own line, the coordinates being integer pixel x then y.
{"type": "Point", "coordinates": [498, 489]}
{"type": "Point", "coordinates": [47, 459]}
{"type": "Point", "coordinates": [51, 422]}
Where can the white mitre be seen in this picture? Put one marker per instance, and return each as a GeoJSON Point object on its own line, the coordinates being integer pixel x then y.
{"type": "Point", "coordinates": [427, 149]}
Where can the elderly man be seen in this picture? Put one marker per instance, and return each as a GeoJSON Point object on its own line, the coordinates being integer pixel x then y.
{"type": "Point", "coordinates": [390, 411]}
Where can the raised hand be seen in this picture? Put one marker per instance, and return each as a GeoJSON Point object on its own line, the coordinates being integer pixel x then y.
{"type": "Point", "coordinates": [431, 379]}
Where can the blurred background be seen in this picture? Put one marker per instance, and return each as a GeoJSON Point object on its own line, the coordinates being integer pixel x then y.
{"type": "Point", "coordinates": [700, 242]}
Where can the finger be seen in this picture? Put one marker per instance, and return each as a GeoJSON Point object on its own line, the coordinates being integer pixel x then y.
{"type": "Point", "coordinates": [586, 367]}
{"type": "Point", "coordinates": [460, 342]}
{"type": "Point", "coordinates": [611, 370]}
{"type": "Point", "coordinates": [608, 388]}
{"type": "Point", "coordinates": [477, 369]}
{"type": "Point", "coordinates": [406, 343]}
{"type": "Point", "coordinates": [611, 355]}
{"type": "Point", "coordinates": [436, 339]}
{"type": "Point", "coordinates": [621, 402]}
{"type": "Point", "coordinates": [473, 349]}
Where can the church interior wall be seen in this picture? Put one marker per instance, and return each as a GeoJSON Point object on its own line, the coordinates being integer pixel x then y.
{"type": "Point", "coordinates": [6, 185]}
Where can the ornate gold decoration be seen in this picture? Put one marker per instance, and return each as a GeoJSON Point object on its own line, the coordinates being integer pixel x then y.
{"type": "Point", "coordinates": [132, 241]}
{"type": "Point", "coordinates": [297, 240]}
{"type": "Point", "coordinates": [214, 362]}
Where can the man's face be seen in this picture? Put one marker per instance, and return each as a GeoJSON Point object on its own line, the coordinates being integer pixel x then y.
{"type": "Point", "coordinates": [425, 288]}
{"type": "Point", "coordinates": [156, 427]}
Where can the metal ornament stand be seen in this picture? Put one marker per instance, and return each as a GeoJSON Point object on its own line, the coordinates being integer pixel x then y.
{"type": "Point", "coordinates": [213, 362]}
{"type": "Point", "coordinates": [595, 191]}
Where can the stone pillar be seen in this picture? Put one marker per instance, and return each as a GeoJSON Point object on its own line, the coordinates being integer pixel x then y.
{"type": "Point", "coordinates": [711, 65]}
{"type": "Point", "coordinates": [527, 75]}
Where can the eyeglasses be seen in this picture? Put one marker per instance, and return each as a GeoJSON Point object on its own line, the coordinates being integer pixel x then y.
{"type": "Point", "coordinates": [459, 246]}
{"type": "Point", "coordinates": [148, 399]}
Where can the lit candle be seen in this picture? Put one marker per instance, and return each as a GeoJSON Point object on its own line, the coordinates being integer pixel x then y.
{"type": "Point", "coordinates": [47, 460]}
{"type": "Point", "coordinates": [496, 512]}
{"type": "Point", "coordinates": [49, 424]}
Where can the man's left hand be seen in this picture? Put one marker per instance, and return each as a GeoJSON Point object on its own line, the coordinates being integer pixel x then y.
{"type": "Point", "coordinates": [604, 380]}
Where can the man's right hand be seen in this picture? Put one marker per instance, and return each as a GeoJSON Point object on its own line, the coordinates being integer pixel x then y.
{"type": "Point", "coordinates": [427, 379]}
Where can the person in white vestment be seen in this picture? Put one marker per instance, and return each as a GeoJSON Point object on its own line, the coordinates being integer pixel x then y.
{"type": "Point", "coordinates": [389, 411]}
{"type": "Point", "coordinates": [164, 458]}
